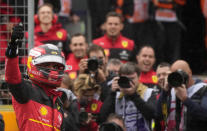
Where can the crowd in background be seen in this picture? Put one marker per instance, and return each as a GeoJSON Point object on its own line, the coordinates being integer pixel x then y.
{"type": "Point", "coordinates": [121, 76]}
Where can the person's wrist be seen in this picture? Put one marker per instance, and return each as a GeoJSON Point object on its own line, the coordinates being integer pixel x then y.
{"type": "Point", "coordinates": [184, 98]}
{"type": "Point", "coordinates": [12, 50]}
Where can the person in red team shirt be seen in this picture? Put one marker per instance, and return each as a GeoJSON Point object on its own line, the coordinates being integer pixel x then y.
{"type": "Point", "coordinates": [87, 92]}
{"type": "Point", "coordinates": [47, 30]}
{"type": "Point", "coordinates": [115, 45]}
{"type": "Point", "coordinates": [146, 60]}
{"type": "Point", "coordinates": [78, 46]}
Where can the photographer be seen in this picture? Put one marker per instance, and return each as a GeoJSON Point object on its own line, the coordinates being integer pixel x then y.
{"type": "Point", "coordinates": [112, 70]}
{"type": "Point", "coordinates": [70, 108]}
{"type": "Point", "coordinates": [165, 109]}
{"type": "Point", "coordinates": [95, 65]}
{"type": "Point", "coordinates": [191, 107]}
{"type": "Point", "coordinates": [85, 88]}
{"type": "Point", "coordinates": [134, 102]}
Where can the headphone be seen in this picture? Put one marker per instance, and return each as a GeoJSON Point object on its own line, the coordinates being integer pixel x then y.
{"type": "Point", "coordinates": [37, 21]}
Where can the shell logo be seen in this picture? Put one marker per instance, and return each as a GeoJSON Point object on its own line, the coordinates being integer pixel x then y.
{"type": "Point", "coordinates": [59, 34]}
{"type": "Point", "coordinates": [94, 107]}
{"type": "Point", "coordinates": [43, 111]}
{"type": "Point", "coordinates": [124, 44]}
{"type": "Point", "coordinates": [31, 75]}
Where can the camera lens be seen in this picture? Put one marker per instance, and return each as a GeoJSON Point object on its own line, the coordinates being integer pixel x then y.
{"type": "Point", "coordinates": [110, 126]}
{"type": "Point", "coordinates": [83, 117]}
{"type": "Point", "coordinates": [92, 64]}
{"type": "Point", "coordinates": [124, 82]}
{"type": "Point", "coordinates": [177, 78]}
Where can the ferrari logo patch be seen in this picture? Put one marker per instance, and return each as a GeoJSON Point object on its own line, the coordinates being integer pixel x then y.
{"type": "Point", "coordinates": [124, 44]}
{"type": "Point", "coordinates": [94, 107]}
{"type": "Point", "coordinates": [59, 34]}
{"type": "Point", "coordinates": [154, 78]}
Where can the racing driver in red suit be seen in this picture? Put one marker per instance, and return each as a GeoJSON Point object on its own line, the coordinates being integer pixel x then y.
{"type": "Point", "coordinates": [36, 102]}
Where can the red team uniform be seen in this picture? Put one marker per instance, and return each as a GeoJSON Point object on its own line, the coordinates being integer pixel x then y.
{"type": "Point", "coordinates": [123, 48]}
{"type": "Point", "coordinates": [72, 66]}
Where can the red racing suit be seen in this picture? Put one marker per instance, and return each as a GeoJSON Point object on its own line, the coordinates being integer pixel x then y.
{"type": "Point", "coordinates": [123, 48]}
{"type": "Point", "coordinates": [34, 109]}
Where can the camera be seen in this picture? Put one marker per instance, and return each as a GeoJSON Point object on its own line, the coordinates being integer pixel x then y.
{"type": "Point", "coordinates": [94, 63]}
{"type": "Point", "coordinates": [83, 116]}
{"type": "Point", "coordinates": [177, 78]}
{"type": "Point", "coordinates": [124, 82]}
{"type": "Point", "coordinates": [111, 75]}
{"type": "Point", "coordinates": [110, 126]}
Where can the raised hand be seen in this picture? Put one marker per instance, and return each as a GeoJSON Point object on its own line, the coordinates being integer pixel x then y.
{"type": "Point", "coordinates": [17, 33]}
{"type": "Point", "coordinates": [16, 40]}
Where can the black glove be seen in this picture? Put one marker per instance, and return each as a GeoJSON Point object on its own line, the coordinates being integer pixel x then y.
{"type": "Point", "coordinates": [17, 33]}
{"type": "Point", "coordinates": [16, 40]}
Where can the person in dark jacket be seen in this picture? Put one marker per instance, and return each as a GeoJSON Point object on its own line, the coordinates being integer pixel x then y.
{"type": "Point", "coordinates": [112, 70]}
{"type": "Point", "coordinates": [36, 103]}
{"type": "Point", "coordinates": [70, 107]}
{"type": "Point", "coordinates": [134, 102]}
{"type": "Point", "coordinates": [187, 108]}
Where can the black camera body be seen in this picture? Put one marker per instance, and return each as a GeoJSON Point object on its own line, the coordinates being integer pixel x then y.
{"type": "Point", "coordinates": [124, 82]}
{"type": "Point", "coordinates": [110, 126]}
{"type": "Point", "coordinates": [177, 78]}
{"type": "Point", "coordinates": [111, 75]}
{"type": "Point", "coordinates": [83, 116]}
{"type": "Point", "coordinates": [94, 63]}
